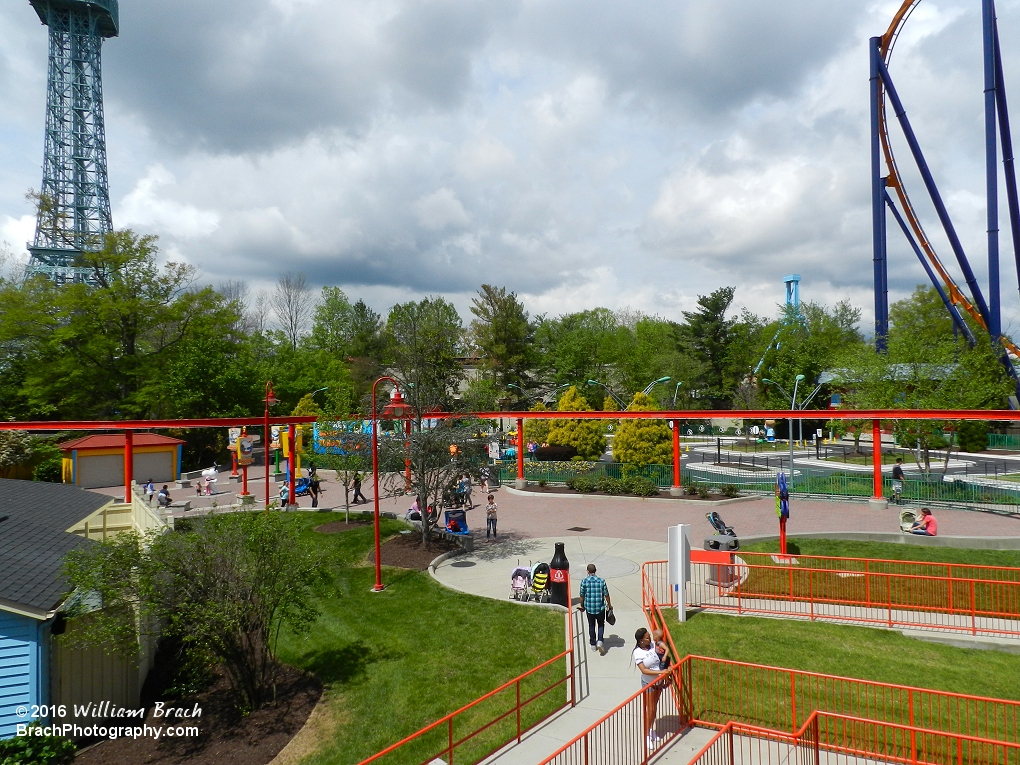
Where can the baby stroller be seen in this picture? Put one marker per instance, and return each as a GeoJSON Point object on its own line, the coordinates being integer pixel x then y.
{"type": "Point", "coordinates": [907, 519]}
{"type": "Point", "coordinates": [520, 581]}
{"type": "Point", "coordinates": [721, 530]}
{"type": "Point", "coordinates": [539, 583]}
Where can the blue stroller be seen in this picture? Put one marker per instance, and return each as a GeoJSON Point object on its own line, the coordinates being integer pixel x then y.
{"type": "Point", "coordinates": [302, 488]}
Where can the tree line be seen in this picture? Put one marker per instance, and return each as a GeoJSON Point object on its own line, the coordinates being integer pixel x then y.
{"type": "Point", "coordinates": [145, 339]}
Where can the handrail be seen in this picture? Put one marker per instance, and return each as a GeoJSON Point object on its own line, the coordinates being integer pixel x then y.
{"type": "Point", "coordinates": [520, 704]}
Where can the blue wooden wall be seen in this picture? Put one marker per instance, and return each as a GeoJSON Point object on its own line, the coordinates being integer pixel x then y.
{"type": "Point", "coordinates": [23, 670]}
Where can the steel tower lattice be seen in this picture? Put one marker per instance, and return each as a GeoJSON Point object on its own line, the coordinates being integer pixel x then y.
{"type": "Point", "coordinates": [74, 200]}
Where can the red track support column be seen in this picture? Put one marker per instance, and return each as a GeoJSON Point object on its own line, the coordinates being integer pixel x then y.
{"type": "Point", "coordinates": [129, 463]}
{"type": "Point", "coordinates": [520, 448]}
{"type": "Point", "coordinates": [292, 438]}
{"type": "Point", "coordinates": [876, 454]}
{"type": "Point", "coordinates": [676, 454]}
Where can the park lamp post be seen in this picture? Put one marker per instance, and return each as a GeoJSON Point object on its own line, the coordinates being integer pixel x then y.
{"type": "Point", "coordinates": [675, 392]}
{"type": "Point", "coordinates": [397, 409]}
{"type": "Point", "coordinates": [653, 383]}
{"type": "Point", "coordinates": [270, 399]}
{"type": "Point", "coordinates": [619, 401]}
{"type": "Point", "coordinates": [319, 390]}
{"type": "Point", "coordinates": [793, 408]}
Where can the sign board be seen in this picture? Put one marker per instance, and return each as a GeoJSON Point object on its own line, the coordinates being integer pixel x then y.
{"type": "Point", "coordinates": [818, 433]}
{"type": "Point", "coordinates": [679, 565]}
{"type": "Point", "coordinates": [274, 435]}
{"type": "Point", "coordinates": [244, 451]}
{"type": "Point", "coordinates": [494, 450]}
{"type": "Point", "coordinates": [755, 430]}
{"type": "Point", "coordinates": [558, 575]}
{"type": "Point", "coordinates": [232, 435]}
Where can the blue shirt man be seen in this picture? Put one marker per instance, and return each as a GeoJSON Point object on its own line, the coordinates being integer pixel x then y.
{"type": "Point", "coordinates": [594, 602]}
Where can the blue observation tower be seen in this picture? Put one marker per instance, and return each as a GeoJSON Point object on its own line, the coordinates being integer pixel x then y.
{"type": "Point", "coordinates": [74, 200]}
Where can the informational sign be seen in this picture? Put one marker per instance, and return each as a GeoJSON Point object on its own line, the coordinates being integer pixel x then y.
{"type": "Point", "coordinates": [755, 430]}
{"type": "Point", "coordinates": [244, 451]}
{"type": "Point", "coordinates": [494, 450]}
{"type": "Point", "coordinates": [274, 433]}
{"type": "Point", "coordinates": [678, 568]}
{"type": "Point", "coordinates": [558, 575]}
{"type": "Point", "coordinates": [232, 435]}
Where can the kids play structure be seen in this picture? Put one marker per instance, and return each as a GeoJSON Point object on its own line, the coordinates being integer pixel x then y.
{"type": "Point", "coordinates": [889, 192]}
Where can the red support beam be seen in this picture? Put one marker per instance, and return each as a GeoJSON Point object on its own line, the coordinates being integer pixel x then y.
{"type": "Point", "coordinates": [676, 454]}
{"type": "Point", "coordinates": [292, 437]}
{"type": "Point", "coordinates": [876, 456]}
{"type": "Point", "coordinates": [520, 448]}
{"type": "Point", "coordinates": [129, 463]}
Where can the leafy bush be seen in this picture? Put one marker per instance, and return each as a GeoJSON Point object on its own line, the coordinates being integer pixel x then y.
{"type": "Point", "coordinates": [611, 485]}
{"type": "Point", "coordinates": [641, 486]}
{"type": "Point", "coordinates": [555, 453]}
{"type": "Point", "coordinates": [973, 435]}
{"type": "Point", "coordinates": [586, 436]}
{"type": "Point", "coordinates": [583, 483]}
{"type": "Point", "coordinates": [643, 442]}
{"type": "Point", "coordinates": [702, 491]}
{"type": "Point", "coordinates": [542, 483]}
{"type": "Point", "coordinates": [36, 750]}
{"type": "Point", "coordinates": [730, 491]}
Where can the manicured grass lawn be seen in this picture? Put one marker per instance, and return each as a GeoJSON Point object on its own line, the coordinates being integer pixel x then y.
{"type": "Point", "coordinates": [865, 459]}
{"type": "Point", "coordinates": [841, 548]}
{"type": "Point", "coordinates": [396, 661]}
{"type": "Point", "coordinates": [849, 651]}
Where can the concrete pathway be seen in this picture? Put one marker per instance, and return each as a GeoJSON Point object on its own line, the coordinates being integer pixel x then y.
{"type": "Point", "coordinates": [603, 682]}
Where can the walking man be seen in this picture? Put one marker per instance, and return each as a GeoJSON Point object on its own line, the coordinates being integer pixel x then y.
{"type": "Point", "coordinates": [897, 480]}
{"type": "Point", "coordinates": [357, 488]}
{"type": "Point", "coordinates": [594, 602]}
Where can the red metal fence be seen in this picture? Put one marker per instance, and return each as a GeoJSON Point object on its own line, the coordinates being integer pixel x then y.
{"type": "Point", "coordinates": [980, 600]}
{"type": "Point", "coordinates": [829, 738]}
{"type": "Point", "coordinates": [491, 722]}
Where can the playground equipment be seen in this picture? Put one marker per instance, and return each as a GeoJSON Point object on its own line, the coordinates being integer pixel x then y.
{"type": "Point", "coordinates": [986, 314]}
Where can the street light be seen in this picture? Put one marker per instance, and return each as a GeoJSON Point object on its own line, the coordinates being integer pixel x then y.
{"type": "Point", "coordinates": [320, 390]}
{"type": "Point", "coordinates": [270, 399]}
{"type": "Point", "coordinates": [653, 383]}
{"type": "Point", "coordinates": [619, 401]}
{"type": "Point", "coordinates": [397, 409]}
{"type": "Point", "coordinates": [675, 392]}
{"type": "Point", "coordinates": [793, 407]}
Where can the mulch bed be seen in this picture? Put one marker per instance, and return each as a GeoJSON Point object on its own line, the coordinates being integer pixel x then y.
{"type": "Point", "coordinates": [660, 495]}
{"type": "Point", "coordinates": [226, 737]}
{"type": "Point", "coordinates": [407, 551]}
{"type": "Point", "coordinates": [337, 526]}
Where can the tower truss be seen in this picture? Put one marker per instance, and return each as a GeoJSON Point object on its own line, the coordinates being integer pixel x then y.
{"type": "Point", "coordinates": [74, 199]}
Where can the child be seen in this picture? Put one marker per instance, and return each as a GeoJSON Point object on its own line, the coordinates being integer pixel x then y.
{"type": "Point", "coordinates": [662, 649]}
{"type": "Point", "coordinates": [490, 517]}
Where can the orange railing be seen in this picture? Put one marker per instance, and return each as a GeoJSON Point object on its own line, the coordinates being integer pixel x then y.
{"type": "Point", "coordinates": [488, 723]}
{"type": "Point", "coordinates": [980, 600]}
{"type": "Point", "coordinates": [843, 739]}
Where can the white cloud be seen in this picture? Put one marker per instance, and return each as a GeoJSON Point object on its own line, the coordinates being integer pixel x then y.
{"type": "Point", "coordinates": [441, 209]}
{"type": "Point", "coordinates": [145, 207]}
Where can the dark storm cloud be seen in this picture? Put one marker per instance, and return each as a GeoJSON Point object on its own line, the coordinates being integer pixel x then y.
{"type": "Point", "coordinates": [710, 54]}
{"type": "Point", "coordinates": [249, 76]}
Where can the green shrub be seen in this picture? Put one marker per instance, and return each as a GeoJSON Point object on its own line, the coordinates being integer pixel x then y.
{"type": "Point", "coordinates": [730, 491]}
{"type": "Point", "coordinates": [542, 483]}
{"type": "Point", "coordinates": [702, 491]}
{"type": "Point", "coordinates": [583, 483]}
{"type": "Point", "coordinates": [973, 435]}
{"type": "Point", "coordinates": [641, 486]}
{"type": "Point", "coordinates": [36, 750]}
{"type": "Point", "coordinates": [611, 485]}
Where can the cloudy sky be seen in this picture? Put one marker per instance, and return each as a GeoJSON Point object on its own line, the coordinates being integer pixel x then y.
{"type": "Point", "coordinates": [581, 153]}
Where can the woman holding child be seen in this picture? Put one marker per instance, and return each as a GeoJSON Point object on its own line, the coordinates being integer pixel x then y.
{"type": "Point", "coordinates": [652, 660]}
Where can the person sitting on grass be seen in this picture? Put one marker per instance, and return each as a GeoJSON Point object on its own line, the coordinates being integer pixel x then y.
{"type": "Point", "coordinates": [926, 525]}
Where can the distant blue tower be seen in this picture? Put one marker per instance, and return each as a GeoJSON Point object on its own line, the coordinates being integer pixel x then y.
{"type": "Point", "coordinates": [74, 201]}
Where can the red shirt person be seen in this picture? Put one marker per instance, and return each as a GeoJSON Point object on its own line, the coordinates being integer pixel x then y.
{"type": "Point", "coordinates": [926, 525]}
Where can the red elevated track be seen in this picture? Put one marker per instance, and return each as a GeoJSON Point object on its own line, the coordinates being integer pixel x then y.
{"type": "Point", "coordinates": [677, 416]}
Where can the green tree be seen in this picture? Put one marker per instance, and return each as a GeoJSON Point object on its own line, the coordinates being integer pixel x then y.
{"type": "Point", "coordinates": [225, 589]}
{"type": "Point", "coordinates": [424, 341]}
{"type": "Point", "coordinates": [706, 336]}
{"type": "Point", "coordinates": [578, 347]}
{"type": "Point", "coordinates": [333, 323]}
{"type": "Point", "coordinates": [537, 430]}
{"type": "Point", "coordinates": [643, 442]}
{"type": "Point", "coordinates": [504, 334]}
{"type": "Point", "coordinates": [586, 436]}
{"type": "Point", "coordinates": [102, 349]}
